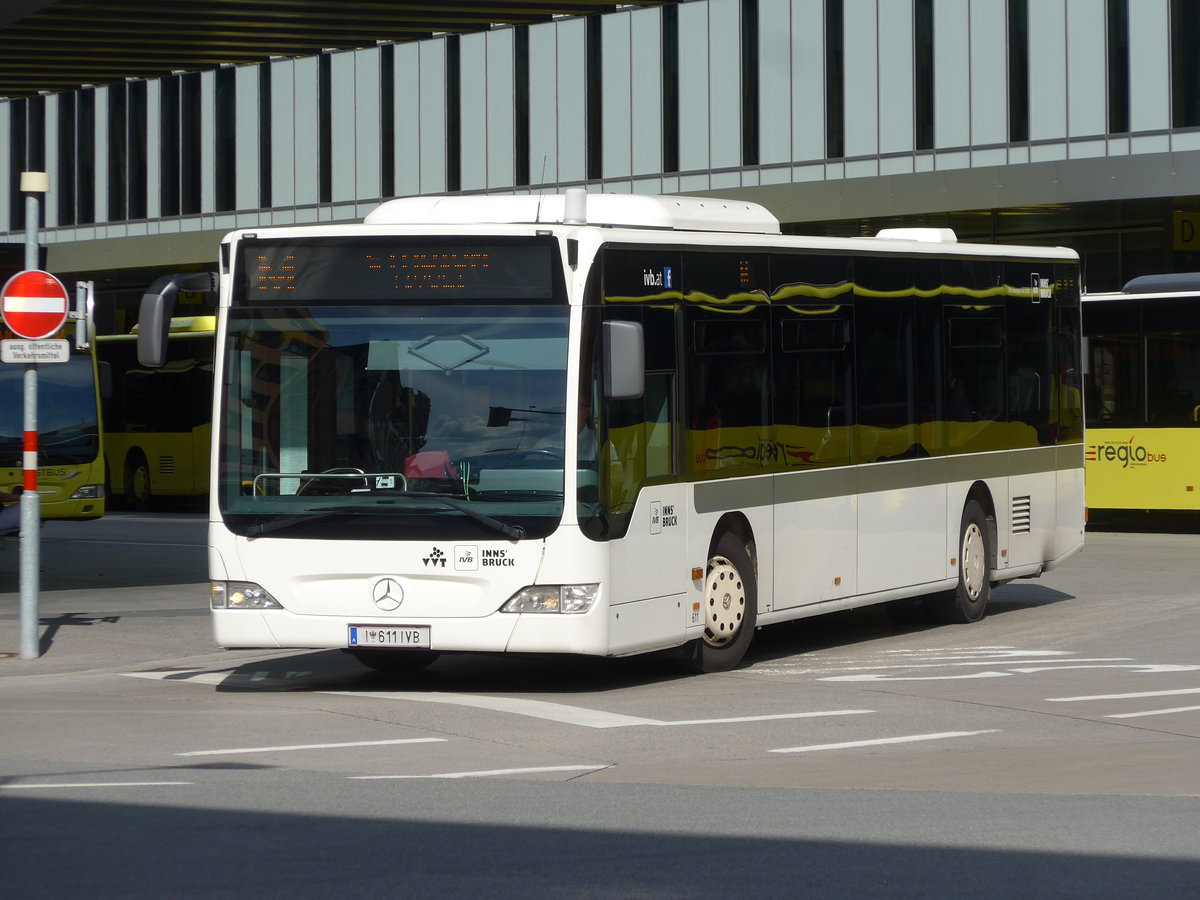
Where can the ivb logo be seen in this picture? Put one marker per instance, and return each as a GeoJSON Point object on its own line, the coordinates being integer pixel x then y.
{"type": "Point", "coordinates": [1125, 454]}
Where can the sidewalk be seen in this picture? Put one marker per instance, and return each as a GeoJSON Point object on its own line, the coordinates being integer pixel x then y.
{"type": "Point", "coordinates": [107, 628]}
{"type": "Point", "coordinates": [124, 591]}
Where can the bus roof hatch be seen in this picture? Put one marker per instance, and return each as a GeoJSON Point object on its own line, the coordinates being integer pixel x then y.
{"type": "Point", "coordinates": [621, 210]}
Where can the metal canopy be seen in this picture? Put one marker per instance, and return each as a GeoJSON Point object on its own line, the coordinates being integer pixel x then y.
{"type": "Point", "coordinates": [59, 45]}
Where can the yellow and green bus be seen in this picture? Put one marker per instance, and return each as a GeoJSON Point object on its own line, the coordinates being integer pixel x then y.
{"type": "Point", "coordinates": [1142, 394]}
{"type": "Point", "coordinates": [158, 421]}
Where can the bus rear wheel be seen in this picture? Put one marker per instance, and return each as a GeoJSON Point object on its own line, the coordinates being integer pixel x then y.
{"type": "Point", "coordinates": [968, 601]}
{"type": "Point", "coordinates": [730, 607]}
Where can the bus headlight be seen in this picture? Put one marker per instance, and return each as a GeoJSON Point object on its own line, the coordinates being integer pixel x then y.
{"type": "Point", "coordinates": [241, 595]}
{"type": "Point", "coordinates": [553, 598]}
{"type": "Point", "coordinates": [89, 492]}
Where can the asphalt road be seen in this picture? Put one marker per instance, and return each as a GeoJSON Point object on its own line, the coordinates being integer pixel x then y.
{"type": "Point", "coordinates": [1051, 750]}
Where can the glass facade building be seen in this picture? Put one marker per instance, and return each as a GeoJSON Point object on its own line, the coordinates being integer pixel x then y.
{"type": "Point", "coordinates": [1073, 122]}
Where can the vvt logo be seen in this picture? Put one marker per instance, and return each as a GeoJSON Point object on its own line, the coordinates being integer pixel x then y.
{"type": "Point", "coordinates": [436, 559]}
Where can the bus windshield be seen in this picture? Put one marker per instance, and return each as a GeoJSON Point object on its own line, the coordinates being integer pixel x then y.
{"type": "Point", "coordinates": [68, 423]}
{"type": "Point", "coordinates": [394, 422]}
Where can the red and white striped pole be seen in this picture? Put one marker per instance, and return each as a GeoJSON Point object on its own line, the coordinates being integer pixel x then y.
{"type": "Point", "coordinates": [33, 184]}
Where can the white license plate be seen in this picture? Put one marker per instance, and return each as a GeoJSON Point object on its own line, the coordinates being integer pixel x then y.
{"type": "Point", "coordinates": [414, 636]}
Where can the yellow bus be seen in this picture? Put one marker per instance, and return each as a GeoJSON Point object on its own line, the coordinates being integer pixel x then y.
{"type": "Point", "coordinates": [158, 422]}
{"type": "Point", "coordinates": [70, 459]}
{"type": "Point", "coordinates": [1142, 394]}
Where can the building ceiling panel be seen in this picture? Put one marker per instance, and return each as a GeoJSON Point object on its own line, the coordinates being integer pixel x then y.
{"type": "Point", "coordinates": [60, 45]}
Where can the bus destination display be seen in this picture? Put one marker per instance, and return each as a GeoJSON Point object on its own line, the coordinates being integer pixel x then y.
{"type": "Point", "coordinates": [336, 270]}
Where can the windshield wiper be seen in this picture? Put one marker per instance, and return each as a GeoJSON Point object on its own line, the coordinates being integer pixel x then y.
{"type": "Point", "coordinates": [320, 513]}
{"type": "Point", "coordinates": [514, 532]}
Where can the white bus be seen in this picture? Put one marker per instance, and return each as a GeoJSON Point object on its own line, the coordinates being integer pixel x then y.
{"type": "Point", "coordinates": [609, 425]}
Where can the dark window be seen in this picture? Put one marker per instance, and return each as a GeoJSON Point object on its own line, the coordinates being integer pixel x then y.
{"type": "Point", "coordinates": [324, 128]}
{"type": "Point", "coordinates": [1030, 355]}
{"type": "Point", "coordinates": [225, 139]}
{"type": "Point", "coordinates": [1112, 383]}
{"type": "Point", "coordinates": [885, 369]}
{"type": "Point", "coordinates": [1172, 362]}
{"type": "Point", "coordinates": [728, 378]}
{"type": "Point", "coordinates": [169, 152]}
{"type": "Point", "coordinates": [136, 148]}
{"type": "Point", "coordinates": [86, 159]}
{"type": "Point", "coordinates": [37, 134]}
{"type": "Point", "coordinates": [798, 277]}
{"type": "Point", "coordinates": [1185, 63]}
{"type": "Point", "coordinates": [1018, 70]}
{"type": "Point", "coordinates": [118, 153]}
{"type": "Point", "coordinates": [714, 336]}
{"type": "Point", "coordinates": [835, 115]}
{"type": "Point", "coordinates": [66, 158]}
{"type": "Point", "coordinates": [750, 82]}
{"type": "Point", "coordinates": [975, 364]}
{"type": "Point", "coordinates": [453, 115]}
{"type": "Point", "coordinates": [521, 105]}
{"type": "Point", "coordinates": [923, 70]}
{"type": "Point", "coordinates": [594, 151]}
{"type": "Point", "coordinates": [387, 125]}
{"type": "Point", "coordinates": [812, 401]}
{"type": "Point", "coordinates": [670, 88]}
{"type": "Point", "coordinates": [18, 162]}
{"type": "Point", "coordinates": [1118, 65]}
{"type": "Point", "coordinates": [191, 135]}
{"type": "Point", "coordinates": [724, 277]}
{"type": "Point", "coordinates": [634, 274]}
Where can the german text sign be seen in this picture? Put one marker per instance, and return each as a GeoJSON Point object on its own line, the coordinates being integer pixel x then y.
{"type": "Point", "coordinates": [34, 304]}
{"type": "Point", "coordinates": [35, 351]}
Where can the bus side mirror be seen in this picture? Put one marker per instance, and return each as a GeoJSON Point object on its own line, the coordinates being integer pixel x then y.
{"type": "Point", "coordinates": [624, 360]}
{"type": "Point", "coordinates": [154, 314]}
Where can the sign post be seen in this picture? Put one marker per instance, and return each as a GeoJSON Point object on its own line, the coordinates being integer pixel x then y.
{"type": "Point", "coordinates": [33, 184]}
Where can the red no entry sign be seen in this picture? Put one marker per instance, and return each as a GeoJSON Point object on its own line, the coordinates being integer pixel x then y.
{"type": "Point", "coordinates": [34, 304]}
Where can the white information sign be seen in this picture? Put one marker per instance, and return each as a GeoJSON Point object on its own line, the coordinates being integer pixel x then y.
{"type": "Point", "coordinates": [27, 351]}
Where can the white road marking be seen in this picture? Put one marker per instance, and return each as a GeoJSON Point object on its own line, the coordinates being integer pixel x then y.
{"type": "Point", "coordinates": [738, 719]}
{"type": "Point", "coordinates": [1133, 696]}
{"type": "Point", "coordinates": [882, 676]}
{"type": "Point", "coordinates": [89, 784]}
{"type": "Point", "coordinates": [533, 770]}
{"type": "Point", "coordinates": [536, 709]}
{"type": "Point", "coordinates": [1153, 712]}
{"type": "Point", "coordinates": [1143, 668]}
{"type": "Point", "coordinates": [310, 747]}
{"type": "Point", "coordinates": [574, 715]}
{"type": "Point", "coordinates": [906, 739]}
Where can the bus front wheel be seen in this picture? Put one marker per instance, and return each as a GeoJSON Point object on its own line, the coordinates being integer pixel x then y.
{"type": "Point", "coordinates": [730, 607]}
{"type": "Point", "coordinates": [137, 482]}
{"type": "Point", "coordinates": [968, 601]}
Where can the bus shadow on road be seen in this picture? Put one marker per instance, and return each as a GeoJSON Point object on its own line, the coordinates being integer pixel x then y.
{"type": "Point", "coordinates": [560, 675]}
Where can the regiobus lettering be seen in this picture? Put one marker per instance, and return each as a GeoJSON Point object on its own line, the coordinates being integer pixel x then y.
{"type": "Point", "coordinates": [1127, 454]}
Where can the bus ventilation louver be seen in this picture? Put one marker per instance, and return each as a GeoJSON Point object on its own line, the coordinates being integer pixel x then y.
{"type": "Point", "coordinates": [1021, 515]}
{"type": "Point", "coordinates": [166, 465]}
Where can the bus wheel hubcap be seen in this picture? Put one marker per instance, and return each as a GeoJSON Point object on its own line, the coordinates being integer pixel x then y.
{"type": "Point", "coordinates": [972, 561]}
{"type": "Point", "coordinates": [724, 602]}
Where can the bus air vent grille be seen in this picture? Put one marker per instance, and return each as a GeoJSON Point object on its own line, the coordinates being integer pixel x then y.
{"type": "Point", "coordinates": [166, 465]}
{"type": "Point", "coordinates": [1021, 515]}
